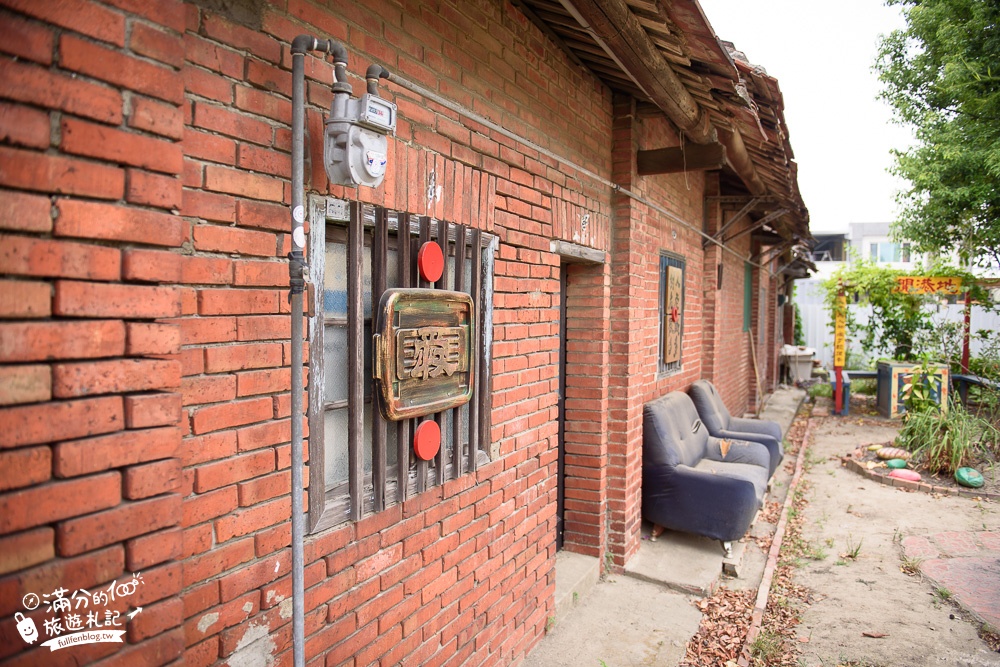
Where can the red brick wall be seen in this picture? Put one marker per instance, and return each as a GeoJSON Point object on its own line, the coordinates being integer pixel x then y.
{"type": "Point", "coordinates": [145, 170]}
{"type": "Point", "coordinates": [144, 183]}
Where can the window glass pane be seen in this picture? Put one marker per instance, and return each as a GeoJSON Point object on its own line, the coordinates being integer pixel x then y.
{"type": "Point", "coordinates": [335, 280]}
{"type": "Point", "coordinates": [335, 354]}
{"type": "Point", "coordinates": [888, 252]}
{"type": "Point", "coordinates": [335, 434]}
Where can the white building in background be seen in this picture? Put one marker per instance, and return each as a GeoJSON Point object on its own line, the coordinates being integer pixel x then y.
{"type": "Point", "coordinates": [872, 241]}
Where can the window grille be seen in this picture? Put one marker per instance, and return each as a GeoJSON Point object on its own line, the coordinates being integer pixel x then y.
{"type": "Point", "coordinates": [360, 461]}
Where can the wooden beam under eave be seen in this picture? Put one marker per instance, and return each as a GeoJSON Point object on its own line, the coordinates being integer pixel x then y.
{"type": "Point", "coordinates": [691, 157]}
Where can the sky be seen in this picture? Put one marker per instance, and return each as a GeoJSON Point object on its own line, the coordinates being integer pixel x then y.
{"type": "Point", "coordinates": [822, 54]}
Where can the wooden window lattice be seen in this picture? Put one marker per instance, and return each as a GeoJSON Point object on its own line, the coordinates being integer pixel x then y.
{"type": "Point", "coordinates": [463, 248]}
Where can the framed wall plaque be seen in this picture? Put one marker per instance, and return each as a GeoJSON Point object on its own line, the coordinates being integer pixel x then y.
{"type": "Point", "coordinates": [424, 351]}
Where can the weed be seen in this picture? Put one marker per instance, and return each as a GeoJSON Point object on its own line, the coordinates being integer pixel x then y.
{"type": "Point", "coordinates": [550, 623]}
{"type": "Point", "coordinates": [942, 593]}
{"type": "Point", "coordinates": [823, 389]}
{"type": "Point", "coordinates": [767, 646]}
{"type": "Point", "coordinates": [852, 549]}
{"type": "Point", "coordinates": [828, 542]}
{"type": "Point", "coordinates": [910, 566]}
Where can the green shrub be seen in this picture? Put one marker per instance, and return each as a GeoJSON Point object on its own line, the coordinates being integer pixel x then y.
{"type": "Point", "coordinates": [947, 441]}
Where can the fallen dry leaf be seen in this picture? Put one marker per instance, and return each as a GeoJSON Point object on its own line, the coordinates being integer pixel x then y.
{"type": "Point", "coordinates": [875, 635]}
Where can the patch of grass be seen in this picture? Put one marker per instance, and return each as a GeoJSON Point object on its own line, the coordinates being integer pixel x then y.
{"type": "Point", "coordinates": [767, 647]}
{"type": "Point", "coordinates": [864, 387]}
{"type": "Point", "coordinates": [823, 389]}
{"type": "Point", "coordinates": [942, 593]}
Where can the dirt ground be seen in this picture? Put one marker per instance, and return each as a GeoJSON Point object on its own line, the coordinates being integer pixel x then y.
{"type": "Point", "coordinates": [869, 593]}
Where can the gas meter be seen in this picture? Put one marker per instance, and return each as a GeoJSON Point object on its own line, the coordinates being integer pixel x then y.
{"type": "Point", "coordinates": [354, 149]}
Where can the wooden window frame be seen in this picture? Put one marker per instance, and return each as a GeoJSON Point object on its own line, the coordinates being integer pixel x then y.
{"type": "Point", "coordinates": [356, 498]}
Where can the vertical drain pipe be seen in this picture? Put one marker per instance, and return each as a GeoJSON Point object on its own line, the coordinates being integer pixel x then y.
{"type": "Point", "coordinates": [296, 279]}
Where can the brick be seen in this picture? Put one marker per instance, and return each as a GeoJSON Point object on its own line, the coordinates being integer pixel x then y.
{"type": "Point", "coordinates": [232, 123]}
{"type": "Point", "coordinates": [24, 126]}
{"type": "Point", "coordinates": [23, 299]}
{"type": "Point", "coordinates": [208, 389]}
{"type": "Point", "coordinates": [214, 238]}
{"type": "Point", "coordinates": [93, 531]}
{"type": "Point", "coordinates": [148, 339]}
{"type": "Point", "coordinates": [26, 39]}
{"type": "Point", "coordinates": [242, 357]}
{"type": "Point", "coordinates": [28, 256]}
{"type": "Point", "coordinates": [260, 274]}
{"type": "Point", "coordinates": [213, 56]}
{"type": "Point", "coordinates": [154, 622]}
{"type": "Point", "coordinates": [23, 212]}
{"type": "Point", "coordinates": [71, 380]}
{"type": "Point", "coordinates": [156, 117]}
{"type": "Point", "coordinates": [209, 206]}
{"type": "Point", "coordinates": [38, 341]}
{"type": "Point", "coordinates": [249, 520]}
{"type": "Point", "coordinates": [241, 183]}
{"type": "Point", "coordinates": [210, 147]}
{"type": "Point", "coordinates": [25, 384]}
{"type": "Point", "coordinates": [202, 83]}
{"type": "Point", "coordinates": [262, 214]}
{"type": "Point", "coordinates": [267, 381]}
{"type": "Point", "coordinates": [82, 299]}
{"type": "Point", "coordinates": [235, 612]}
{"type": "Point", "coordinates": [100, 141]}
{"type": "Point", "coordinates": [207, 270]}
{"type": "Point", "coordinates": [25, 467]}
{"type": "Point", "coordinates": [24, 550]}
{"type": "Point", "coordinates": [45, 88]}
{"type": "Point", "coordinates": [149, 189]}
{"type": "Point", "coordinates": [272, 539]}
{"type": "Point", "coordinates": [57, 174]}
{"type": "Point", "coordinates": [232, 470]}
{"type": "Point", "coordinates": [263, 159]}
{"type": "Point", "coordinates": [156, 44]}
{"type": "Point", "coordinates": [264, 435]}
{"type": "Point", "coordinates": [119, 69]}
{"type": "Point", "coordinates": [218, 560]}
{"type": "Point", "coordinates": [264, 488]}
{"type": "Point", "coordinates": [155, 266]}
{"type": "Point", "coordinates": [55, 501]}
{"type": "Point", "coordinates": [80, 457]}
{"type": "Point", "coordinates": [257, 43]}
{"type": "Point", "coordinates": [205, 506]}
{"type": "Point", "coordinates": [152, 479]}
{"type": "Point", "coordinates": [167, 13]}
{"type": "Point", "coordinates": [263, 327]}
{"type": "Point", "coordinates": [150, 410]}
{"type": "Point", "coordinates": [237, 302]}
{"type": "Point", "coordinates": [236, 413]}
{"type": "Point", "coordinates": [263, 103]}
{"type": "Point", "coordinates": [117, 223]}
{"type": "Point", "coordinates": [80, 16]}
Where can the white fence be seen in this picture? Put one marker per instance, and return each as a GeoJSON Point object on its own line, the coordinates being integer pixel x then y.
{"type": "Point", "coordinates": [817, 325]}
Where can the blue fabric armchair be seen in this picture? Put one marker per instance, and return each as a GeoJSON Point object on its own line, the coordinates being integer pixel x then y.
{"type": "Point", "coordinates": [721, 424]}
{"type": "Point", "coordinates": [687, 483]}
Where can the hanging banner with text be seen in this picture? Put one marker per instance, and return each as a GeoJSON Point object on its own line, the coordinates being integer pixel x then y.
{"type": "Point", "coordinates": [928, 285]}
{"type": "Point", "coordinates": [840, 333]}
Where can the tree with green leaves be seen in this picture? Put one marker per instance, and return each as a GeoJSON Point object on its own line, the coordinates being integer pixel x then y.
{"type": "Point", "coordinates": [941, 75]}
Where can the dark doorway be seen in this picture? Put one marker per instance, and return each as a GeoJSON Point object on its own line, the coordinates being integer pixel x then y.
{"type": "Point", "coordinates": [561, 460]}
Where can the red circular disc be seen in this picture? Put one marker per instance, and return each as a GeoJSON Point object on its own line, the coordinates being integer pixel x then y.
{"type": "Point", "coordinates": [427, 439]}
{"type": "Point", "coordinates": [430, 262]}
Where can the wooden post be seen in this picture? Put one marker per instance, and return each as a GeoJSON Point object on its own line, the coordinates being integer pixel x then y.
{"type": "Point", "coordinates": [839, 350]}
{"type": "Point", "coordinates": [965, 336]}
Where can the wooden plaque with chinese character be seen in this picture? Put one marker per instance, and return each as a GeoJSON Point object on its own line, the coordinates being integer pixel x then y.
{"type": "Point", "coordinates": [424, 351]}
{"type": "Point", "coordinates": [672, 315]}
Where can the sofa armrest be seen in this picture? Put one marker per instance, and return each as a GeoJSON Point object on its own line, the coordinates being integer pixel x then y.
{"type": "Point", "coordinates": [740, 451]}
{"type": "Point", "coordinates": [773, 445]}
{"type": "Point", "coordinates": [759, 426]}
{"type": "Point", "coordinates": [681, 498]}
